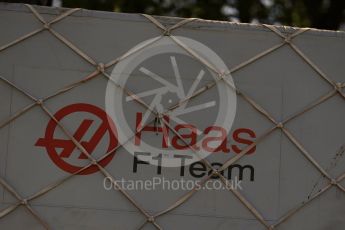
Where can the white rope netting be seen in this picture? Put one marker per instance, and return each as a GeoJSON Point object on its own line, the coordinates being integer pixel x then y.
{"type": "Point", "coordinates": [100, 71]}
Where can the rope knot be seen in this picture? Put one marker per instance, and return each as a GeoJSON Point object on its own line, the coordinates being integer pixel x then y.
{"type": "Point", "coordinates": [287, 40]}
{"type": "Point", "coordinates": [280, 125]}
{"type": "Point", "coordinates": [221, 75]}
{"type": "Point", "coordinates": [338, 86]}
{"type": "Point", "coordinates": [167, 32]}
{"type": "Point", "coordinates": [150, 219]}
{"type": "Point", "coordinates": [46, 26]}
{"type": "Point", "coordinates": [24, 202]}
{"type": "Point", "coordinates": [100, 67]}
{"type": "Point", "coordinates": [216, 172]}
{"type": "Point", "coordinates": [39, 101]}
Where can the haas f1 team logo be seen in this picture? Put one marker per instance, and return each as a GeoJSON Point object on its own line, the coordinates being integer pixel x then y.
{"type": "Point", "coordinates": [182, 111]}
{"type": "Point", "coordinates": [64, 158]}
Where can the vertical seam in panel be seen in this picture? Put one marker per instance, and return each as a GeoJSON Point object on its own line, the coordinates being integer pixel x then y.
{"type": "Point", "coordinates": [280, 146]}
{"type": "Point", "coordinates": [8, 132]}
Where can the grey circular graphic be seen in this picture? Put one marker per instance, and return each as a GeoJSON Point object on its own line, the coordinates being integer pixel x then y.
{"type": "Point", "coordinates": [180, 118]}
